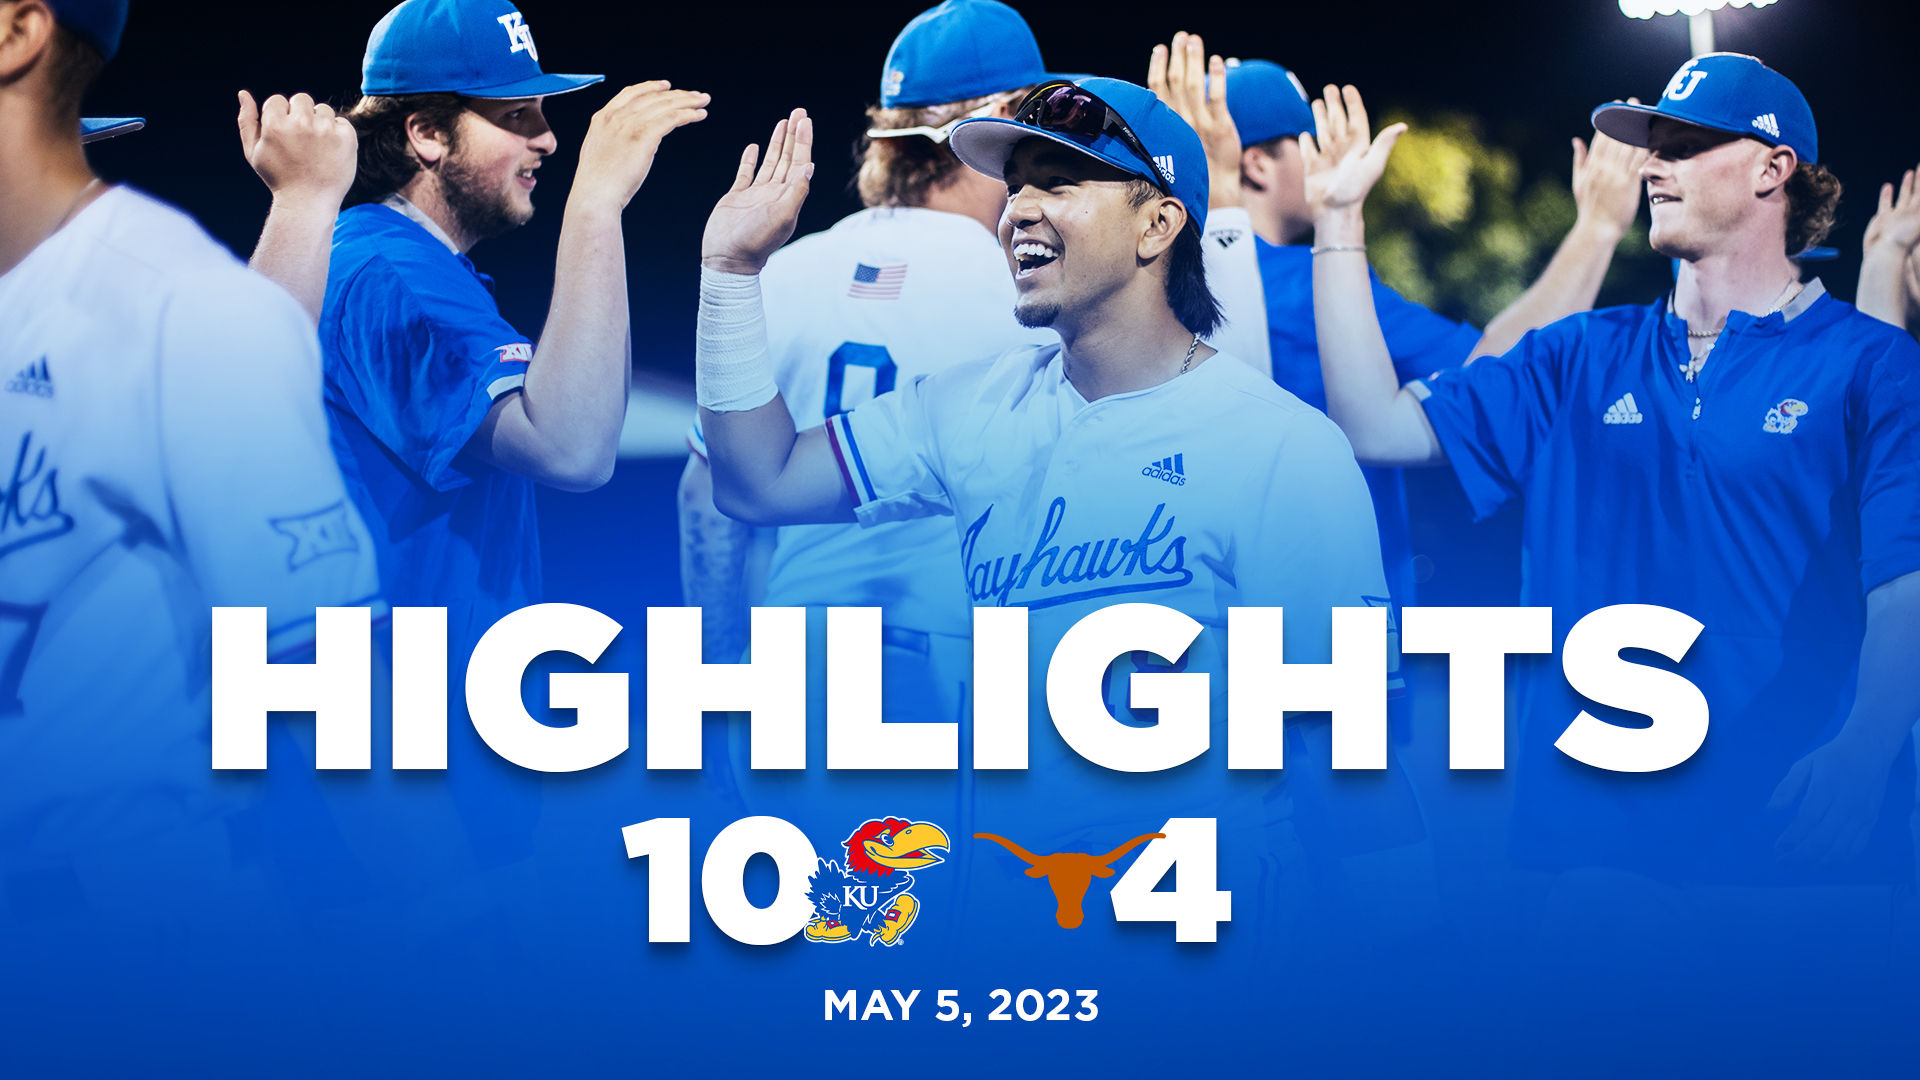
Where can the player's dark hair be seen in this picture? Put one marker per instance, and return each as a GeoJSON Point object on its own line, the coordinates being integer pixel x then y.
{"type": "Point", "coordinates": [387, 161]}
{"type": "Point", "coordinates": [72, 66]}
{"type": "Point", "coordinates": [1813, 203]}
{"type": "Point", "coordinates": [904, 171]}
{"type": "Point", "coordinates": [1188, 295]}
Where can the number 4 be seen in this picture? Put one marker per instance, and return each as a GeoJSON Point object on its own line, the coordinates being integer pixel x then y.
{"type": "Point", "coordinates": [1194, 907]}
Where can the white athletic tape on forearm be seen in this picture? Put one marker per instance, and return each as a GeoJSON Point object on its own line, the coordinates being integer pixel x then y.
{"type": "Point", "coordinates": [732, 372]}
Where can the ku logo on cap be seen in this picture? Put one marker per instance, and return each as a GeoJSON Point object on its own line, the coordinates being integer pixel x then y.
{"type": "Point", "coordinates": [1684, 81]}
{"type": "Point", "coordinates": [519, 35]}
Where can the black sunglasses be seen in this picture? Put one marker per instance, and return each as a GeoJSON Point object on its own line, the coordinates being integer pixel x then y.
{"type": "Point", "coordinates": [1062, 108]}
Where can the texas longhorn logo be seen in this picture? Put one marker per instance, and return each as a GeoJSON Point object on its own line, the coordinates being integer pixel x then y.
{"type": "Point", "coordinates": [868, 898]}
{"type": "Point", "coordinates": [1069, 873]}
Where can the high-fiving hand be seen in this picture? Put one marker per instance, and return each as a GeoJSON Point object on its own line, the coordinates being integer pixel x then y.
{"type": "Point", "coordinates": [1896, 224]}
{"type": "Point", "coordinates": [1195, 87]}
{"type": "Point", "coordinates": [1342, 165]}
{"type": "Point", "coordinates": [759, 212]}
{"type": "Point", "coordinates": [617, 154]}
{"type": "Point", "coordinates": [1606, 180]}
{"type": "Point", "coordinates": [299, 147]}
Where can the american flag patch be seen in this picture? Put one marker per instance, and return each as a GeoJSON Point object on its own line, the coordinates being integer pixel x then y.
{"type": "Point", "coordinates": [877, 282]}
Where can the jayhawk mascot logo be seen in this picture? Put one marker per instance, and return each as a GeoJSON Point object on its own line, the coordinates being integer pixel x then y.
{"type": "Point", "coordinates": [868, 897]}
{"type": "Point", "coordinates": [1784, 417]}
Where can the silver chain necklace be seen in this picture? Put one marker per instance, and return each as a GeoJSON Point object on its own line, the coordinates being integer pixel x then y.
{"type": "Point", "coordinates": [1184, 364]}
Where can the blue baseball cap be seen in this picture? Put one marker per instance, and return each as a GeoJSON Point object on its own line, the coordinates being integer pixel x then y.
{"type": "Point", "coordinates": [1726, 92]}
{"type": "Point", "coordinates": [1267, 101]}
{"type": "Point", "coordinates": [480, 48]}
{"type": "Point", "coordinates": [96, 22]}
{"type": "Point", "coordinates": [1178, 164]}
{"type": "Point", "coordinates": [961, 50]}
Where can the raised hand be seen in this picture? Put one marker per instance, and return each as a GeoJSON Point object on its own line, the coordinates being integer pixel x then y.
{"type": "Point", "coordinates": [758, 213]}
{"type": "Point", "coordinates": [1896, 225]}
{"type": "Point", "coordinates": [1606, 181]}
{"type": "Point", "coordinates": [625, 134]}
{"type": "Point", "coordinates": [1342, 165]}
{"type": "Point", "coordinates": [299, 148]}
{"type": "Point", "coordinates": [1195, 87]}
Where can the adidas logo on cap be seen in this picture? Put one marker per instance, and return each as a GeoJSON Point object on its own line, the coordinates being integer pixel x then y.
{"type": "Point", "coordinates": [1165, 161]}
{"type": "Point", "coordinates": [33, 379]}
{"type": "Point", "coordinates": [1768, 124]}
{"type": "Point", "coordinates": [1623, 411]}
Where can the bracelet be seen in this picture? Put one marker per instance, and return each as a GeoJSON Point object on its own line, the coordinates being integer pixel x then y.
{"type": "Point", "coordinates": [1318, 249]}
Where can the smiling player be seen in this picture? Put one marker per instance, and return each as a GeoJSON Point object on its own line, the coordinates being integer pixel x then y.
{"type": "Point", "coordinates": [1740, 450]}
{"type": "Point", "coordinates": [1129, 462]}
{"type": "Point", "coordinates": [444, 416]}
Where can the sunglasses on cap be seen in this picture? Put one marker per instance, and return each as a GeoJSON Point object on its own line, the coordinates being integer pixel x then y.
{"type": "Point", "coordinates": [1062, 108]}
{"type": "Point", "coordinates": [944, 131]}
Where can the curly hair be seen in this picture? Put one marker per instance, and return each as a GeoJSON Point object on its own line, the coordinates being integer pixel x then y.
{"type": "Point", "coordinates": [1813, 203]}
{"type": "Point", "coordinates": [387, 161]}
{"type": "Point", "coordinates": [904, 171]}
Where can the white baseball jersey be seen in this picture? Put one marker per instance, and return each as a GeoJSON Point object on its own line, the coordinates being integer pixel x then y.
{"type": "Point", "coordinates": [883, 298]}
{"type": "Point", "coordinates": [161, 422]}
{"type": "Point", "coordinates": [1214, 489]}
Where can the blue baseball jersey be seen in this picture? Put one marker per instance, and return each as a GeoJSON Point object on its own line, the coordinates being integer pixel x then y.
{"type": "Point", "coordinates": [1421, 343]}
{"type": "Point", "coordinates": [416, 353]}
{"type": "Point", "coordinates": [1766, 500]}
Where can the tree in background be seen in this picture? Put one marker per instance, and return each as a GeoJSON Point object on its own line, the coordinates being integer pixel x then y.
{"type": "Point", "coordinates": [1450, 227]}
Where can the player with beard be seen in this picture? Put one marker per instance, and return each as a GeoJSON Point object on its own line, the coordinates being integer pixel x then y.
{"type": "Point", "coordinates": [444, 416]}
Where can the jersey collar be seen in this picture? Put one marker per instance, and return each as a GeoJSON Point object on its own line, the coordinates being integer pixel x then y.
{"type": "Point", "coordinates": [420, 218]}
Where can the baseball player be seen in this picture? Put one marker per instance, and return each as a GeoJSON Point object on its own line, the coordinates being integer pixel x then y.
{"type": "Point", "coordinates": [1128, 462]}
{"type": "Point", "coordinates": [847, 310]}
{"type": "Point", "coordinates": [1889, 276]}
{"type": "Point", "coordinates": [1739, 450]}
{"type": "Point", "coordinates": [444, 417]}
{"type": "Point", "coordinates": [165, 453]}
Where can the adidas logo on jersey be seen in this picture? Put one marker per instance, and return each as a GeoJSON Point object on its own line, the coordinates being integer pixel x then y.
{"type": "Point", "coordinates": [1172, 469]}
{"type": "Point", "coordinates": [1226, 238]}
{"type": "Point", "coordinates": [1766, 123]}
{"type": "Point", "coordinates": [33, 379]}
{"type": "Point", "coordinates": [1623, 411]}
{"type": "Point", "coordinates": [1165, 161]}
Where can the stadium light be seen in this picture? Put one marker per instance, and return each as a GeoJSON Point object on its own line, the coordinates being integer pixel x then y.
{"type": "Point", "coordinates": [1699, 15]}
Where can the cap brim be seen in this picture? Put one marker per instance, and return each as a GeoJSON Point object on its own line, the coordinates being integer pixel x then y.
{"type": "Point", "coordinates": [1625, 123]}
{"type": "Point", "coordinates": [538, 86]}
{"type": "Point", "coordinates": [984, 145]}
{"type": "Point", "coordinates": [1631, 124]}
{"type": "Point", "coordinates": [95, 128]}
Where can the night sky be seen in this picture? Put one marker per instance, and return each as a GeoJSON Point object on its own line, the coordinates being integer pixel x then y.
{"type": "Point", "coordinates": [1530, 71]}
